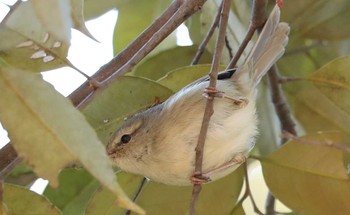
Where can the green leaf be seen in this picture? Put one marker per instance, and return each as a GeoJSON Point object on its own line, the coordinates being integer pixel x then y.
{"type": "Point", "coordinates": [95, 8]}
{"type": "Point", "coordinates": [327, 105]}
{"type": "Point", "coordinates": [77, 15]}
{"type": "Point", "coordinates": [103, 202]}
{"type": "Point", "coordinates": [76, 188]}
{"type": "Point", "coordinates": [160, 199]}
{"type": "Point", "coordinates": [307, 177]}
{"type": "Point", "coordinates": [178, 78]}
{"type": "Point", "coordinates": [159, 65]}
{"type": "Point", "coordinates": [163, 199]}
{"type": "Point", "coordinates": [316, 112]}
{"type": "Point", "coordinates": [132, 21]}
{"type": "Point", "coordinates": [59, 26]}
{"type": "Point", "coordinates": [20, 200]}
{"type": "Point", "coordinates": [318, 19]}
{"type": "Point", "coordinates": [36, 116]}
{"type": "Point", "coordinates": [124, 97]}
{"type": "Point", "coordinates": [25, 43]}
{"type": "Point", "coordinates": [238, 210]}
{"type": "Point", "coordinates": [333, 80]}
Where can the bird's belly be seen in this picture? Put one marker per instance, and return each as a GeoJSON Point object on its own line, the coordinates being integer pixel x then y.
{"type": "Point", "coordinates": [227, 138]}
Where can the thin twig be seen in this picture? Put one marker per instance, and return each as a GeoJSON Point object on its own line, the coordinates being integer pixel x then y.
{"type": "Point", "coordinates": [12, 9]}
{"type": "Point", "coordinates": [270, 204]}
{"type": "Point", "coordinates": [284, 80]}
{"type": "Point", "coordinates": [138, 192]}
{"type": "Point", "coordinates": [248, 192]}
{"type": "Point", "coordinates": [228, 46]}
{"type": "Point", "coordinates": [281, 106]}
{"type": "Point", "coordinates": [257, 21]}
{"type": "Point", "coordinates": [210, 103]}
{"type": "Point", "coordinates": [207, 37]}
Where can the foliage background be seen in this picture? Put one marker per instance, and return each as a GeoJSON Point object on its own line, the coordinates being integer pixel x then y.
{"type": "Point", "coordinates": [308, 174]}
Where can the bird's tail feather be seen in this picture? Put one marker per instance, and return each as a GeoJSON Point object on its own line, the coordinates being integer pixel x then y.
{"type": "Point", "coordinates": [267, 50]}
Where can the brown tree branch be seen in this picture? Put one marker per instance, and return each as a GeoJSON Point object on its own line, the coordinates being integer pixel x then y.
{"type": "Point", "coordinates": [210, 102]}
{"type": "Point", "coordinates": [2, 197]}
{"type": "Point", "coordinates": [124, 56]}
{"type": "Point", "coordinates": [281, 106]}
{"type": "Point", "coordinates": [207, 37]}
{"type": "Point", "coordinates": [257, 22]}
{"type": "Point", "coordinates": [186, 9]}
{"type": "Point", "coordinates": [9, 159]}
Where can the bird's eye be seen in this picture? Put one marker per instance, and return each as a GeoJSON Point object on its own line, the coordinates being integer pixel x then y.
{"type": "Point", "coordinates": [125, 138]}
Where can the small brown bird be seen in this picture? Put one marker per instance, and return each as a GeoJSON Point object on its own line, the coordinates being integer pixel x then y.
{"type": "Point", "coordinates": [159, 143]}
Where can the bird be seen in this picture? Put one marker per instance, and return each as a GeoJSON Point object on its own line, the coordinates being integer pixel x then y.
{"type": "Point", "coordinates": [159, 143]}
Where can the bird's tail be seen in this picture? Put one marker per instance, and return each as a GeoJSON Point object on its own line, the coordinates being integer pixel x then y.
{"type": "Point", "coordinates": [267, 50]}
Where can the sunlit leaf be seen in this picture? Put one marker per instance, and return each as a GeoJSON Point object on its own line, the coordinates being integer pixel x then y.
{"type": "Point", "coordinates": [318, 19]}
{"type": "Point", "coordinates": [55, 17]}
{"type": "Point", "coordinates": [124, 97]}
{"type": "Point", "coordinates": [77, 15]}
{"type": "Point", "coordinates": [20, 200]}
{"type": "Point", "coordinates": [23, 37]}
{"type": "Point", "coordinates": [163, 199]}
{"type": "Point", "coordinates": [76, 188]}
{"type": "Point", "coordinates": [131, 22]}
{"type": "Point", "coordinates": [159, 65]}
{"type": "Point", "coordinates": [307, 177]}
{"type": "Point", "coordinates": [36, 116]}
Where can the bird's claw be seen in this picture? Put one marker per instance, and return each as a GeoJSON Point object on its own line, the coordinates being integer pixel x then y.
{"type": "Point", "coordinates": [211, 92]}
{"type": "Point", "coordinates": [200, 179]}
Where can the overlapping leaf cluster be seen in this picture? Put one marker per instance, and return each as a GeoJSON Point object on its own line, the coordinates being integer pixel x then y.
{"type": "Point", "coordinates": [307, 174]}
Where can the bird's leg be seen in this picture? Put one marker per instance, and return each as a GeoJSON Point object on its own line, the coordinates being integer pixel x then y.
{"type": "Point", "coordinates": [240, 101]}
{"type": "Point", "coordinates": [200, 179]}
{"type": "Point", "coordinates": [238, 159]}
